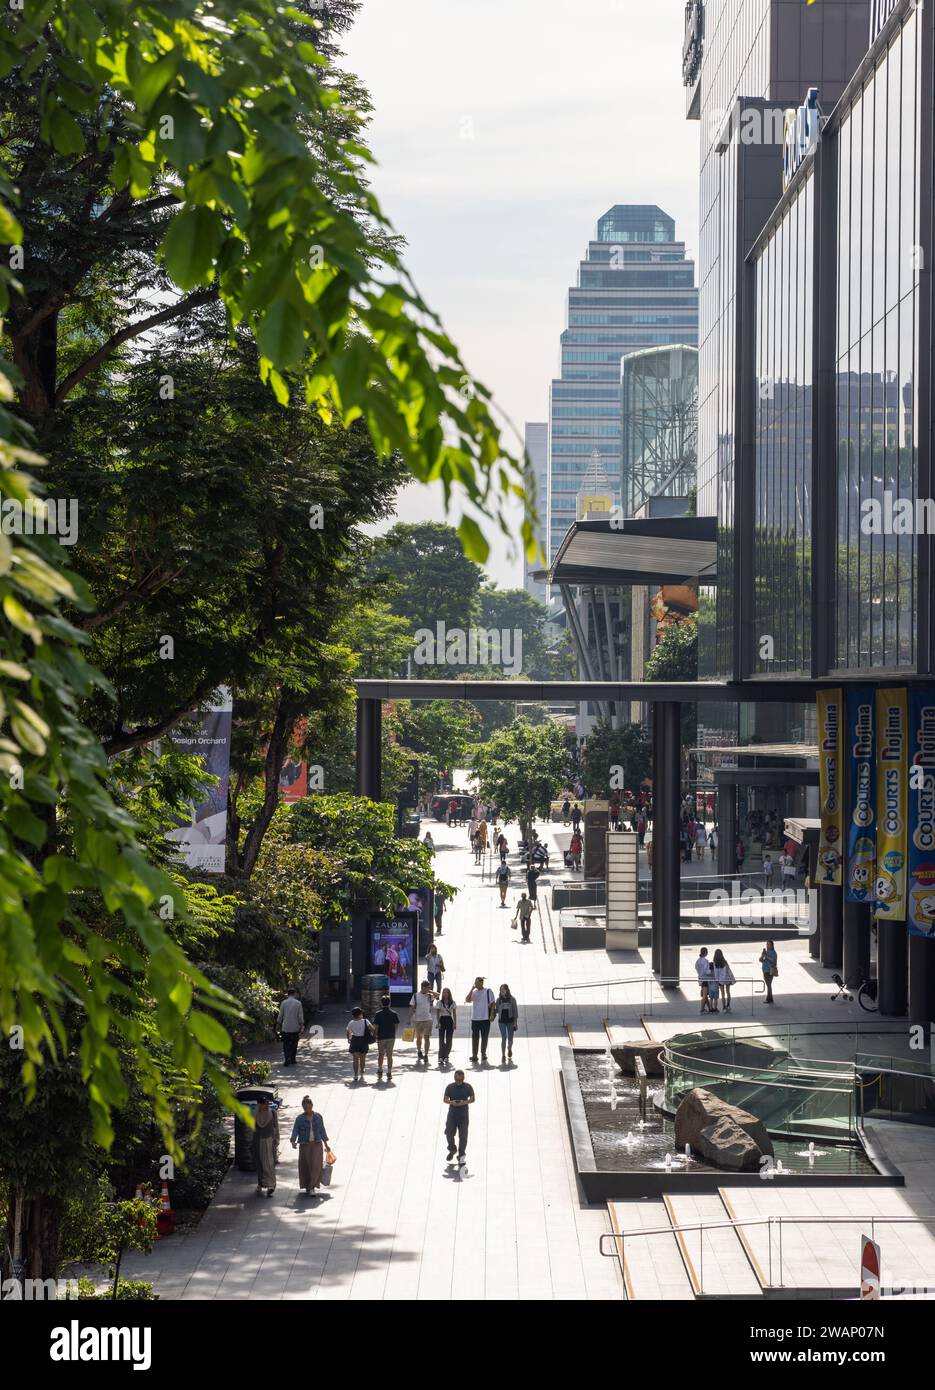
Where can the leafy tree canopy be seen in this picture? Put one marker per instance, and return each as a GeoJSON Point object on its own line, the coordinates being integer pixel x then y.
{"type": "Point", "coordinates": [520, 769]}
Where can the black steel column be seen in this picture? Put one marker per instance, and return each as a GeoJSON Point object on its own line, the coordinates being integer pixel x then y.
{"type": "Point", "coordinates": [667, 732]}
{"type": "Point", "coordinates": [892, 968]}
{"type": "Point", "coordinates": [856, 943]}
{"type": "Point", "coordinates": [921, 980]}
{"type": "Point", "coordinates": [370, 748]}
{"type": "Point", "coordinates": [727, 829]}
{"type": "Point", "coordinates": [831, 920]}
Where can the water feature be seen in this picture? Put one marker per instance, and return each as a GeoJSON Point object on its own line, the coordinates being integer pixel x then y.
{"type": "Point", "coordinates": [622, 1140]}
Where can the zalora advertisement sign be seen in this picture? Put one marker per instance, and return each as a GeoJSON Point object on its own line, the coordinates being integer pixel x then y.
{"type": "Point", "coordinates": [829, 776]}
{"type": "Point", "coordinates": [922, 813]}
{"type": "Point", "coordinates": [801, 135]}
{"type": "Point", "coordinates": [861, 844]}
{"type": "Point", "coordinates": [889, 890]}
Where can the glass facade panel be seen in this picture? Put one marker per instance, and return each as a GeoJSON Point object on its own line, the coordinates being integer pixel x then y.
{"type": "Point", "coordinates": [783, 441]}
{"type": "Point", "coordinates": [876, 367]}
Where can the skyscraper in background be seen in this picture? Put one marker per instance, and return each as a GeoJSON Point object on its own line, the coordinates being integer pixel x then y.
{"type": "Point", "coordinates": [537, 451]}
{"type": "Point", "coordinates": [635, 289]}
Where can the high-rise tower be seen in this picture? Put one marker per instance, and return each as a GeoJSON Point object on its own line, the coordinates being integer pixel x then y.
{"type": "Point", "coordinates": [635, 289]}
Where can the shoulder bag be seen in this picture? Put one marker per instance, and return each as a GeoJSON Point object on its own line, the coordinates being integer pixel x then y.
{"type": "Point", "coordinates": [492, 1005]}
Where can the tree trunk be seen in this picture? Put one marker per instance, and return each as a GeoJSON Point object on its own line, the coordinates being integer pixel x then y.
{"type": "Point", "coordinates": [33, 1235]}
{"type": "Point", "coordinates": [287, 712]}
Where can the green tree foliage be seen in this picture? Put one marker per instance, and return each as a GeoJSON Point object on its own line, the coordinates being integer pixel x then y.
{"type": "Point", "coordinates": [544, 658]}
{"type": "Point", "coordinates": [201, 132]}
{"type": "Point", "coordinates": [520, 770]}
{"type": "Point", "coordinates": [607, 750]}
{"type": "Point", "coordinates": [676, 656]}
{"type": "Point", "coordinates": [430, 579]}
{"type": "Point", "coordinates": [438, 733]}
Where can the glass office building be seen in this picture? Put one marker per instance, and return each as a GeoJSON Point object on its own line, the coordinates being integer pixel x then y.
{"type": "Point", "coordinates": [659, 419]}
{"type": "Point", "coordinates": [635, 289]}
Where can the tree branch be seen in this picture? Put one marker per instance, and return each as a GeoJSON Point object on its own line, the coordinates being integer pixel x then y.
{"type": "Point", "coordinates": [132, 330]}
{"type": "Point", "coordinates": [135, 738]}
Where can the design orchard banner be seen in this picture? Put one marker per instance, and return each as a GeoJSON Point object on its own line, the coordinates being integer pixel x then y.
{"type": "Point", "coordinates": [889, 891]}
{"type": "Point", "coordinates": [922, 813]}
{"type": "Point", "coordinates": [830, 765]}
{"type": "Point", "coordinates": [861, 840]}
{"type": "Point", "coordinates": [202, 843]}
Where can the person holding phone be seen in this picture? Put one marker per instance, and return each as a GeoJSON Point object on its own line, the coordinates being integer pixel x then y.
{"type": "Point", "coordinates": [483, 1010]}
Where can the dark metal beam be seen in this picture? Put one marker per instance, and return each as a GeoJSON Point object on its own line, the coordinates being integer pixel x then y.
{"type": "Point", "coordinates": [667, 870]}
{"type": "Point", "coordinates": [649, 692]}
{"type": "Point", "coordinates": [369, 748]}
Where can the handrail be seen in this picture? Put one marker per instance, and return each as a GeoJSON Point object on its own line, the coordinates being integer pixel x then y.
{"type": "Point", "coordinates": [666, 981]}
{"type": "Point", "coordinates": [619, 1237]}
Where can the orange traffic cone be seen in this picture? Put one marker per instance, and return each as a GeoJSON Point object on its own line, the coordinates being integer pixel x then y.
{"type": "Point", "coordinates": [165, 1218]}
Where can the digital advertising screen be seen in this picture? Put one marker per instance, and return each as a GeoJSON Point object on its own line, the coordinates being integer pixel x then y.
{"type": "Point", "coordinates": [393, 951]}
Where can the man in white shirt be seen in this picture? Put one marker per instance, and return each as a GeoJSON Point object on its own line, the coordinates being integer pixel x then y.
{"type": "Point", "coordinates": [481, 1001]}
{"type": "Point", "coordinates": [421, 1018]}
{"type": "Point", "coordinates": [290, 1022]}
{"type": "Point", "coordinates": [705, 972]}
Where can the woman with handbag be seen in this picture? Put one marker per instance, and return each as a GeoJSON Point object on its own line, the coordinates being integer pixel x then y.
{"type": "Point", "coordinates": [508, 1019]}
{"type": "Point", "coordinates": [769, 960]}
{"type": "Point", "coordinates": [359, 1032]}
{"type": "Point", "coordinates": [310, 1135]}
{"type": "Point", "coordinates": [447, 1016]}
{"type": "Point", "coordinates": [724, 976]}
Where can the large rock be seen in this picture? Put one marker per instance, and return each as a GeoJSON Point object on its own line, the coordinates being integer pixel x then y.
{"type": "Point", "coordinates": [625, 1055]}
{"type": "Point", "coordinates": [721, 1133]}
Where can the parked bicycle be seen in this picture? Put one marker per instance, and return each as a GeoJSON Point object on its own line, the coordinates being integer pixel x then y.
{"type": "Point", "coordinates": [866, 992]}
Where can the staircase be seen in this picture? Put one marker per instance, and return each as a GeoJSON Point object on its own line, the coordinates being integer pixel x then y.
{"type": "Point", "coordinates": [680, 1265]}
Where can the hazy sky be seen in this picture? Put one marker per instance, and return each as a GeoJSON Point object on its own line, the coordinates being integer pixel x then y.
{"type": "Point", "coordinates": [503, 129]}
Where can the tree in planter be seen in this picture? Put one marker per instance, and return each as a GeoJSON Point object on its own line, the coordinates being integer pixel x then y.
{"type": "Point", "coordinates": [103, 1229]}
{"type": "Point", "coordinates": [520, 770]}
{"type": "Point", "coordinates": [676, 659]}
{"type": "Point", "coordinates": [616, 759]}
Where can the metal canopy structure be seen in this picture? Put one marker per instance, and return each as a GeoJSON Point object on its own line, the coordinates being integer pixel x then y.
{"type": "Point", "coordinates": [662, 550]}
{"type": "Point", "coordinates": [650, 692]}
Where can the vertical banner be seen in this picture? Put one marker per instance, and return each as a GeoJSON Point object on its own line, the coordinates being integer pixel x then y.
{"type": "Point", "coordinates": [203, 842]}
{"type": "Point", "coordinates": [922, 813]}
{"type": "Point", "coordinates": [861, 838]}
{"type": "Point", "coordinates": [892, 778]}
{"type": "Point", "coordinates": [830, 765]}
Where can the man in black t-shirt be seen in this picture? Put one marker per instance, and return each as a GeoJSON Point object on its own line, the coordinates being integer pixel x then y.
{"type": "Point", "coordinates": [386, 1022]}
{"type": "Point", "coordinates": [458, 1096]}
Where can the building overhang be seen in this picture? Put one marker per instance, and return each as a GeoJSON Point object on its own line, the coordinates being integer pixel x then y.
{"type": "Point", "coordinates": [658, 550]}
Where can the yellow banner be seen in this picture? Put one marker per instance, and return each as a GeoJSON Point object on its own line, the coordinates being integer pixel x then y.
{"type": "Point", "coordinates": [889, 891]}
{"type": "Point", "coordinates": [830, 771]}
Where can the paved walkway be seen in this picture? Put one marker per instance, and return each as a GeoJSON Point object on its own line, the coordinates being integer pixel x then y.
{"type": "Point", "coordinates": [398, 1222]}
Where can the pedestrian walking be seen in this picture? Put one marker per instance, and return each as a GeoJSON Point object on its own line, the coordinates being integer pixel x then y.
{"type": "Point", "coordinates": [483, 1009]}
{"type": "Point", "coordinates": [767, 871]}
{"type": "Point", "coordinates": [434, 968]}
{"type": "Point", "coordinates": [446, 1015]}
{"type": "Point", "coordinates": [524, 915]}
{"type": "Point", "coordinates": [458, 1096]}
{"type": "Point", "coordinates": [532, 878]}
{"type": "Point", "coordinates": [289, 1024]}
{"type": "Point", "coordinates": [502, 846]}
{"type": "Point", "coordinates": [359, 1033]}
{"type": "Point", "coordinates": [385, 1021]}
{"type": "Point", "coordinates": [641, 829]}
{"type": "Point", "coordinates": [566, 811]}
{"type": "Point", "coordinates": [482, 835]}
{"type": "Point", "coordinates": [701, 840]}
{"type": "Point", "coordinates": [421, 1018]}
{"type": "Point", "coordinates": [508, 1019]}
{"type": "Point", "coordinates": [723, 978]}
{"type": "Point", "coordinates": [705, 973]}
{"type": "Point", "coordinates": [428, 841]}
{"type": "Point", "coordinates": [265, 1144]}
{"type": "Point", "coordinates": [741, 852]}
{"type": "Point", "coordinates": [769, 963]}
{"type": "Point", "coordinates": [504, 874]}
{"type": "Point", "coordinates": [712, 841]}
{"type": "Point", "coordinates": [575, 849]}
{"type": "Point", "coordinates": [576, 817]}
{"type": "Point", "coordinates": [311, 1136]}
{"type": "Point", "coordinates": [438, 910]}
{"type": "Point", "coordinates": [787, 869]}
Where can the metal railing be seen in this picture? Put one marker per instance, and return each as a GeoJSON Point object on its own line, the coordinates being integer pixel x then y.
{"type": "Point", "coordinates": [770, 1222]}
{"type": "Point", "coordinates": [664, 982]}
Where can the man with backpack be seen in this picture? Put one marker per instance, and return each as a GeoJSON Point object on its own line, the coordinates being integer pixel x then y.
{"type": "Point", "coordinates": [483, 1007]}
{"type": "Point", "coordinates": [503, 880]}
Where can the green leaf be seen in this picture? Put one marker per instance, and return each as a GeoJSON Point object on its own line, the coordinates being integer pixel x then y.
{"type": "Point", "coordinates": [65, 131]}
{"type": "Point", "coordinates": [280, 336]}
{"type": "Point", "coordinates": [190, 246]}
{"type": "Point", "coordinates": [472, 538]}
{"type": "Point", "coordinates": [209, 1032]}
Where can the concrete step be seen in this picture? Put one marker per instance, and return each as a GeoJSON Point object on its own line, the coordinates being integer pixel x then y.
{"type": "Point", "coordinates": [652, 1265]}
{"type": "Point", "coordinates": [716, 1261]}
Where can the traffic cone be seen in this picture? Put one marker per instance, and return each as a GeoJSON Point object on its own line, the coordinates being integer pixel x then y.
{"type": "Point", "coordinates": [165, 1217]}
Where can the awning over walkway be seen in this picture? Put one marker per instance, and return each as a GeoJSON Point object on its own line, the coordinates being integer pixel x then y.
{"type": "Point", "coordinates": [662, 550]}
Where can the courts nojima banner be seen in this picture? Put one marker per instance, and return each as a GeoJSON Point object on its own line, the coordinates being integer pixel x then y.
{"type": "Point", "coordinates": [889, 890]}
{"type": "Point", "coordinates": [921, 892]}
{"type": "Point", "coordinates": [861, 802]}
{"type": "Point", "coordinates": [830, 766]}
